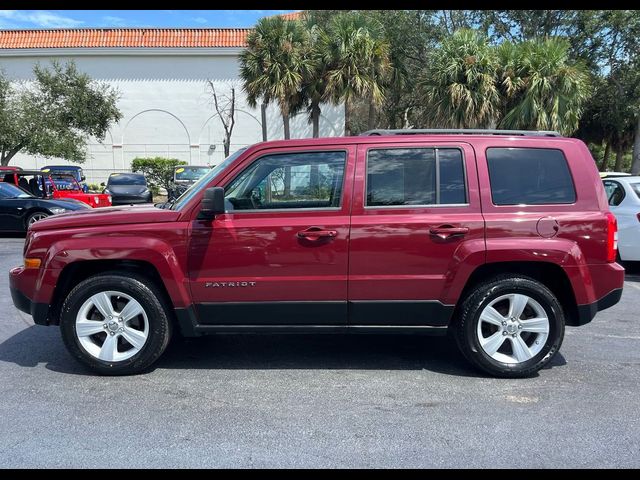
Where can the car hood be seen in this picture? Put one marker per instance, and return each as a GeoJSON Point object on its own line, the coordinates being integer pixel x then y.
{"type": "Point", "coordinates": [68, 204]}
{"type": "Point", "coordinates": [107, 216]}
{"type": "Point", "coordinates": [126, 189]}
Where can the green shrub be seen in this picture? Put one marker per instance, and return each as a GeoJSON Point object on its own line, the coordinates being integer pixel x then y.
{"type": "Point", "coordinates": [157, 170]}
{"type": "Point", "coordinates": [95, 187]}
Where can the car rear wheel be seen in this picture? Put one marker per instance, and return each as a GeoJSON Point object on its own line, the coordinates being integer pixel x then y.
{"type": "Point", "coordinates": [115, 325]}
{"type": "Point", "coordinates": [510, 326]}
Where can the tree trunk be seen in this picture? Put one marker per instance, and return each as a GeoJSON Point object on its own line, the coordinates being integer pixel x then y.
{"type": "Point", "coordinates": [371, 124]}
{"type": "Point", "coordinates": [605, 159]}
{"type": "Point", "coordinates": [347, 119]}
{"type": "Point", "coordinates": [263, 113]}
{"type": "Point", "coordinates": [635, 161]}
{"type": "Point", "coordinates": [619, 153]}
{"type": "Point", "coordinates": [226, 145]}
{"type": "Point", "coordinates": [287, 182]}
{"type": "Point", "coordinates": [285, 121]}
{"type": "Point", "coordinates": [315, 117]}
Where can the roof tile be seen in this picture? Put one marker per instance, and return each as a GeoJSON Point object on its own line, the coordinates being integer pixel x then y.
{"type": "Point", "coordinates": [125, 38]}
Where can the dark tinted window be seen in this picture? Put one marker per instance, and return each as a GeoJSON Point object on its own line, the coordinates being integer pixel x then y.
{"type": "Point", "coordinates": [530, 176]}
{"type": "Point", "coordinates": [636, 188]}
{"type": "Point", "coordinates": [409, 176]}
{"type": "Point", "coordinates": [615, 192]}
{"type": "Point", "coordinates": [126, 179]}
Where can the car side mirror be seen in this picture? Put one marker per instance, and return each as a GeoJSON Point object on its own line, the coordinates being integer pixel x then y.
{"type": "Point", "coordinates": [83, 178]}
{"type": "Point", "coordinates": [212, 202]}
{"type": "Point", "coordinates": [103, 184]}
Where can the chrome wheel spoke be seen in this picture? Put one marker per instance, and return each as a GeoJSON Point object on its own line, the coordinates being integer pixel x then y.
{"type": "Point", "coordinates": [86, 328]}
{"type": "Point", "coordinates": [492, 343]}
{"type": "Point", "coordinates": [492, 316]}
{"type": "Point", "coordinates": [109, 349]}
{"type": "Point", "coordinates": [520, 349]}
{"type": "Point", "coordinates": [536, 325]}
{"type": "Point", "coordinates": [136, 338]}
{"type": "Point", "coordinates": [517, 304]}
{"type": "Point", "coordinates": [102, 301]}
{"type": "Point", "coordinates": [131, 310]}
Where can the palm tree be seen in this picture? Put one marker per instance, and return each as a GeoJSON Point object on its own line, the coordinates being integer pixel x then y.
{"type": "Point", "coordinates": [542, 88]}
{"type": "Point", "coordinates": [459, 87]}
{"type": "Point", "coordinates": [273, 66]}
{"type": "Point", "coordinates": [314, 84]}
{"type": "Point", "coordinates": [356, 55]}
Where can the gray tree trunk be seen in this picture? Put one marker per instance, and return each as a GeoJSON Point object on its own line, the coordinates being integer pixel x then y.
{"type": "Point", "coordinates": [315, 118]}
{"type": "Point", "coordinates": [635, 161]}
{"type": "Point", "coordinates": [372, 116]}
{"type": "Point", "coordinates": [263, 113]}
{"type": "Point", "coordinates": [619, 153]}
{"type": "Point", "coordinates": [285, 122]}
{"type": "Point", "coordinates": [347, 119]}
{"type": "Point", "coordinates": [605, 159]}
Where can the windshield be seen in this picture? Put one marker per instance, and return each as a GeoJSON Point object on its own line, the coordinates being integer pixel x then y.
{"type": "Point", "coordinates": [126, 179]}
{"type": "Point", "coordinates": [11, 191]}
{"type": "Point", "coordinates": [74, 172]}
{"type": "Point", "coordinates": [65, 182]}
{"type": "Point", "coordinates": [183, 199]}
{"type": "Point", "coordinates": [190, 173]}
{"type": "Point", "coordinates": [636, 188]}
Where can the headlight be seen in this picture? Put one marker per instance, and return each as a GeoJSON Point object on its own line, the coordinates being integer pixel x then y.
{"type": "Point", "coordinates": [57, 210]}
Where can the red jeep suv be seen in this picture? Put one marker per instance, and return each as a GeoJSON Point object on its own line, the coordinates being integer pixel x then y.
{"type": "Point", "coordinates": [500, 237]}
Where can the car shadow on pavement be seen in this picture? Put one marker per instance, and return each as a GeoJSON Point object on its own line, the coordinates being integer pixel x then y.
{"type": "Point", "coordinates": [35, 345]}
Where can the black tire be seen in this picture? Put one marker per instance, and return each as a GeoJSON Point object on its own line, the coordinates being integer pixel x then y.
{"type": "Point", "coordinates": [141, 289]}
{"type": "Point", "coordinates": [466, 324]}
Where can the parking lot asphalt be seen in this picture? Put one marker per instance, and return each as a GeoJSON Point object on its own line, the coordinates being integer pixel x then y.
{"type": "Point", "coordinates": [319, 401]}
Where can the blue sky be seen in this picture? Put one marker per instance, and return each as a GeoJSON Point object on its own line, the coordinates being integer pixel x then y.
{"type": "Point", "coordinates": [21, 19]}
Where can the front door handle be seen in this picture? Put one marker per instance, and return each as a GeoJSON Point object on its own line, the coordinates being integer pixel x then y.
{"type": "Point", "coordinates": [446, 231]}
{"type": "Point", "coordinates": [314, 233]}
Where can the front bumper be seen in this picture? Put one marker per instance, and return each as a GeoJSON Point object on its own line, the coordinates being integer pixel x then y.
{"type": "Point", "coordinates": [38, 311]}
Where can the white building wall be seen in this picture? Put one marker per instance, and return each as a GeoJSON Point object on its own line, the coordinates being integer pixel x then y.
{"type": "Point", "coordinates": [166, 106]}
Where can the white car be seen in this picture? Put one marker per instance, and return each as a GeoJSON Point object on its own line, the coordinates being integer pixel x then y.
{"type": "Point", "coordinates": [624, 201]}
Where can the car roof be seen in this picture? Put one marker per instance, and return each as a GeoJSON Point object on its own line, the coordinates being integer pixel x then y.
{"type": "Point", "coordinates": [629, 179]}
{"type": "Point", "coordinates": [64, 167]}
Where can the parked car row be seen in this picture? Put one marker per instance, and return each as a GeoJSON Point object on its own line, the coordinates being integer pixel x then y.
{"type": "Point", "coordinates": [31, 195]}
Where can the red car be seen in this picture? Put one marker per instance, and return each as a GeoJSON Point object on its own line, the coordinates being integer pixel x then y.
{"type": "Point", "coordinates": [56, 186]}
{"type": "Point", "coordinates": [502, 238]}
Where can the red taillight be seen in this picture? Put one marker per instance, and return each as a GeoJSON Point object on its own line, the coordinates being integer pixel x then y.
{"type": "Point", "coordinates": [612, 237]}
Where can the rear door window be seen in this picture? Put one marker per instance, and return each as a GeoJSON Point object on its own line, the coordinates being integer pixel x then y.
{"type": "Point", "coordinates": [529, 176]}
{"type": "Point", "coordinates": [415, 176]}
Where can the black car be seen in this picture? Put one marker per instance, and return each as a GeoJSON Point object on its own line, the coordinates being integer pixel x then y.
{"type": "Point", "coordinates": [128, 188]}
{"type": "Point", "coordinates": [19, 209]}
{"type": "Point", "coordinates": [183, 177]}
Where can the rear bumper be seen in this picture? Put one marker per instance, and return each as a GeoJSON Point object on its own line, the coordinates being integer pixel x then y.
{"type": "Point", "coordinates": [587, 312]}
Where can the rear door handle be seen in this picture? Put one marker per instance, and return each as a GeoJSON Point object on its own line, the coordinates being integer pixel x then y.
{"type": "Point", "coordinates": [314, 233]}
{"type": "Point", "coordinates": [446, 231]}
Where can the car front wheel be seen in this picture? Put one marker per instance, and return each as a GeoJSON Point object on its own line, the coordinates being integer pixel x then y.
{"type": "Point", "coordinates": [510, 326]}
{"type": "Point", "coordinates": [115, 324]}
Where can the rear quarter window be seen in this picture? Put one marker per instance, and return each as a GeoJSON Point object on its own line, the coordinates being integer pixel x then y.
{"type": "Point", "coordinates": [529, 176]}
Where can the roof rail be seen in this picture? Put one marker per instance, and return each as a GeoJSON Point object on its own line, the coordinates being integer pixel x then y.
{"type": "Point", "coordinates": [468, 131]}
